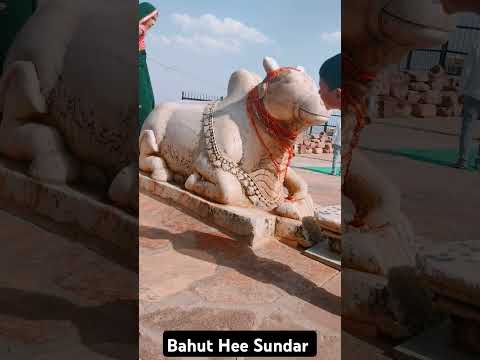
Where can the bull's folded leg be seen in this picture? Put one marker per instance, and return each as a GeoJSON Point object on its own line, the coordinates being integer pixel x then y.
{"type": "Point", "coordinates": [43, 146]}
{"type": "Point", "coordinates": [300, 203]}
{"type": "Point", "coordinates": [150, 161]}
{"type": "Point", "coordinates": [55, 167]}
{"type": "Point", "coordinates": [297, 187]}
{"type": "Point", "coordinates": [21, 138]}
{"type": "Point", "coordinates": [124, 188]}
{"type": "Point", "coordinates": [215, 184]}
{"type": "Point", "coordinates": [157, 167]}
{"type": "Point", "coordinates": [289, 210]}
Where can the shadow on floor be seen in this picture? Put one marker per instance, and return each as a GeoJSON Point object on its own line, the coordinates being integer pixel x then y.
{"type": "Point", "coordinates": [110, 329]}
{"type": "Point", "coordinates": [225, 252]}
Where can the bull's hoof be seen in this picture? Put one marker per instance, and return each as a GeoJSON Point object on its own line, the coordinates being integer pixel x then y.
{"type": "Point", "coordinates": [288, 210]}
{"type": "Point", "coordinates": [296, 210]}
{"type": "Point", "coordinates": [54, 167]}
{"type": "Point", "coordinates": [191, 182]}
{"type": "Point", "coordinates": [161, 174]}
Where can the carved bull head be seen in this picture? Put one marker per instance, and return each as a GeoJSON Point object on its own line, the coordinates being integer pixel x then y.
{"type": "Point", "coordinates": [290, 96]}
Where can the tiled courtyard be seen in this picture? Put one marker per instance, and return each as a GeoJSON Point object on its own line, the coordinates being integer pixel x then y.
{"type": "Point", "coordinates": [50, 290]}
{"type": "Point", "coordinates": [194, 277]}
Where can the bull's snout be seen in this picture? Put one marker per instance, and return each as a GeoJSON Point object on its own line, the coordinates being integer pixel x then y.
{"type": "Point", "coordinates": [313, 111]}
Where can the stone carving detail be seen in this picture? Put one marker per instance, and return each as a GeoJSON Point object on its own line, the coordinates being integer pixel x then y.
{"type": "Point", "coordinates": [251, 188]}
{"type": "Point", "coordinates": [382, 34]}
{"type": "Point", "coordinates": [379, 242]}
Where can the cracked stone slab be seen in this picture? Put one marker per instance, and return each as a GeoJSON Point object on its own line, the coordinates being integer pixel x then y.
{"type": "Point", "coordinates": [68, 206]}
{"type": "Point", "coordinates": [205, 318]}
{"type": "Point", "coordinates": [160, 274]}
{"type": "Point", "coordinates": [232, 287]}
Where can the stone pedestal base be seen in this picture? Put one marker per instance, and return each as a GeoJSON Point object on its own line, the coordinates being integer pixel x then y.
{"type": "Point", "coordinates": [68, 207]}
{"type": "Point", "coordinates": [364, 303]}
{"type": "Point", "coordinates": [250, 225]}
{"type": "Point", "coordinates": [451, 272]}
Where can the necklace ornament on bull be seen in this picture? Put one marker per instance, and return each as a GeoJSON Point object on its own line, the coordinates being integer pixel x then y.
{"type": "Point", "coordinates": [256, 111]}
{"type": "Point", "coordinates": [354, 83]}
{"type": "Point", "coordinates": [266, 193]}
{"type": "Point", "coordinates": [257, 196]}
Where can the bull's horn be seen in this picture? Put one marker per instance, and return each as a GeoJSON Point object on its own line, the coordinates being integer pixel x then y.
{"type": "Point", "coordinates": [269, 64]}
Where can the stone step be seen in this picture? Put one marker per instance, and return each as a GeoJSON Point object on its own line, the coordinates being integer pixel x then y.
{"type": "Point", "coordinates": [322, 253]}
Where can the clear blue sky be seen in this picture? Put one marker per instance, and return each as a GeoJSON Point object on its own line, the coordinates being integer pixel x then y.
{"type": "Point", "coordinates": [196, 45]}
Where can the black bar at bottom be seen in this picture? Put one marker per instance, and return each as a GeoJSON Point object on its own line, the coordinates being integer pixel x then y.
{"type": "Point", "coordinates": [240, 343]}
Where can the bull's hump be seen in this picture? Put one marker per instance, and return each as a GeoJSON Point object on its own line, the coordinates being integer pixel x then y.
{"type": "Point", "coordinates": [44, 39]}
{"type": "Point", "coordinates": [240, 83]}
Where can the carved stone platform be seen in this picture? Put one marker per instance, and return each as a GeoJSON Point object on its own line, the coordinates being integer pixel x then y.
{"type": "Point", "coordinates": [329, 218]}
{"type": "Point", "coordinates": [250, 225]}
{"type": "Point", "coordinates": [72, 208]}
{"type": "Point", "coordinates": [451, 271]}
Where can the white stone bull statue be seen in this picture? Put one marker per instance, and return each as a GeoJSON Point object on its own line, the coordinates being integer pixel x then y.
{"type": "Point", "coordinates": [237, 151]}
{"type": "Point", "coordinates": [380, 33]}
{"type": "Point", "coordinates": [380, 239]}
{"type": "Point", "coordinates": [68, 95]}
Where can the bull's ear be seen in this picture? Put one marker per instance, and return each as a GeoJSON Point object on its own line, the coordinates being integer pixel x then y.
{"type": "Point", "coordinates": [269, 64]}
{"type": "Point", "coordinates": [301, 68]}
{"type": "Point", "coordinates": [262, 87]}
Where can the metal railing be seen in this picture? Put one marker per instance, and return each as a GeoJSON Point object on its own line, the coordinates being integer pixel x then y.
{"type": "Point", "coordinates": [199, 97]}
{"type": "Point", "coordinates": [325, 126]}
{"type": "Point", "coordinates": [424, 59]}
